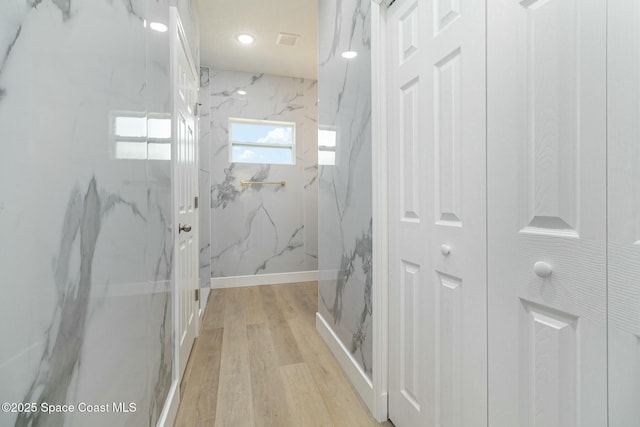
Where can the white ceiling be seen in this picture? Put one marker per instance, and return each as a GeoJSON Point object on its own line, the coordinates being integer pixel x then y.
{"type": "Point", "coordinates": [222, 20]}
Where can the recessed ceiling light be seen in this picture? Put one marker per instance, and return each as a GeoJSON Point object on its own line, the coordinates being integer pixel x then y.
{"type": "Point", "coordinates": [242, 92]}
{"type": "Point", "coordinates": [350, 54]}
{"type": "Point", "coordinates": [245, 38]}
{"type": "Point", "coordinates": [157, 26]}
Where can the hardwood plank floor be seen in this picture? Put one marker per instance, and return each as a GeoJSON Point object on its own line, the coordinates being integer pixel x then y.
{"type": "Point", "coordinates": [260, 362]}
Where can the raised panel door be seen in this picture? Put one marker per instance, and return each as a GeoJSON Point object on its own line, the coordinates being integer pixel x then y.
{"type": "Point", "coordinates": [411, 324]}
{"type": "Point", "coordinates": [185, 176]}
{"type": "Point", "coordinates": [547, 213]}
{"type": "Point", "coordinates": [437, 186]}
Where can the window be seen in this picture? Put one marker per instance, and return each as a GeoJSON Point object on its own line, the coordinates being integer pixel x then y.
{"type": "Point", "coordinates": [327, 142]}
{"type": "Point", "coordinates": [141, 136]}
{"type": "Point", "coordinates": [259, 141]}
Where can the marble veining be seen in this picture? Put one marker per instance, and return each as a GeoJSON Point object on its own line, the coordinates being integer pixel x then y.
{"type": "Point", "coordinates": [344, 189]}
{"type": "Point", "coordinates": [294, 242]}
{"type": "Point", "coordinates": [242, 245]}
{"type": "Point", "coordinates": [225, 192]}
{"type": "Point", "coordinates": [205, 188]}
{"type": "Point", "coordinates": [313, 176]}
{"type": "Point", "coordinates": [232, 91]}
{"type": "Point", "coordinates": [229, 190]}
{"type": "Point", "coordinates": [6, 56]}
{"type": "Point", "coordinates": [262, 229]}
{"type": "Point", "coordinates": [82, 222]}
{"type": "Point", "coordinates": [86, 241]}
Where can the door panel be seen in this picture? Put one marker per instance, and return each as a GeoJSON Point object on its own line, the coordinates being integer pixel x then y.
{"type": "Point", "coordinates": [623, 90]}
{"type": "Point", "coordinates": [547, 213]}
{"type": "Point", "coordinates": [410, 334]}
{"type": "Point", "coordinates": [552, 68]}
{"type": "Point", "coordinates": [185, 163]}
{"type": "Point", "coordinates": [410, 398]}
{"type": "Point", "coordinates": [437, 202]}
{"type": "Point", "coordinates": [456, 114]}
{"type": "Point", "coordinates": [449, 341]}
{"type": "Point", "coordinates": [447, 109]}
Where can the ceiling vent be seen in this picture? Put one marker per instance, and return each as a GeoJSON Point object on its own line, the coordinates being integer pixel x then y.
{"type": "Point", "coordinates": [287, 39]}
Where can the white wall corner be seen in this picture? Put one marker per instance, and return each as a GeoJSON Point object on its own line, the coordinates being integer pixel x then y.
{"type": "Point", "coordinates": [347, 362]}
{"type": "Point", "coordinates": [380, 254]}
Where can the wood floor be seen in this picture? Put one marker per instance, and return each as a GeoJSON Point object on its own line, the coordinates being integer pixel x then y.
{"type": "Point", "coordinates": [260, 362]}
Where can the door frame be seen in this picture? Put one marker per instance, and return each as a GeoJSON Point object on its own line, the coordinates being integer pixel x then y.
{"type": "Point", "coordinates": [170, 410]}
{"type": "Point", "coordinates": [380, 213]}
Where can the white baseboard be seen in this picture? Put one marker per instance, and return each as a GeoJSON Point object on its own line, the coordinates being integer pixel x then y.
{"type": "Point", "coordinates": [263, 279]}
{"type": "Point", "coordinates": [170, 410]}
{"type": "Point", "coordinates": [350, 366]}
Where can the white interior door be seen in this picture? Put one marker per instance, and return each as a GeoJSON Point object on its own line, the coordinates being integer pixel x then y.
{"type": "Point", "coordinates": [547, 213]}
{"type": "Point", "coordinates": [437, 213]}
{"type": "Point", "coordinates": [411, 356]}
{"type": "Point", "coordinates": [185, 176]}
{"type": "Point", "coordinates": [623, 93]}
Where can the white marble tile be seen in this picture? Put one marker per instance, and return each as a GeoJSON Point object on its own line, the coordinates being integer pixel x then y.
{"type": "Point", "coordinates": [344, 195]}
{"type": "Point", "coordinates": [205, 178]}
{"type": "Point", "coordinates": [263, 229]}
{"type": "Point", "coordinates": [86, 248]}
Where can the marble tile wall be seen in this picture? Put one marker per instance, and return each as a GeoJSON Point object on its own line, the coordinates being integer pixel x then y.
{"type": "Point", "coordinates": [344, 194]}
{"type": "Point", "coordinates": [86, 248]}
{"type": "Point", "coordinates": [263, 229]}
{"type": "Point", "coordinates": [205, 178]}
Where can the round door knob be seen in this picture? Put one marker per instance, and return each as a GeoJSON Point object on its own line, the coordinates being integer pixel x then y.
{"type": "Point", "coordinates": [184, 227]}
{"type": "Point", "coordinates": [542, 269]}
{"type": "Point", "coordinates": [445, 249]}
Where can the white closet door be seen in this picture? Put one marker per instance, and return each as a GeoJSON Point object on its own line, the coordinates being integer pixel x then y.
{"type": "Point", "coordinates": [411, 329]}
{"type": "Point", "coordinates": [456, 135]}
{"type": "Point", "coordinates": [624, 211]}
{"type": "Point", "coordinates": [547, 213]}
{"type": "Point", "coordinates": [438, 340]}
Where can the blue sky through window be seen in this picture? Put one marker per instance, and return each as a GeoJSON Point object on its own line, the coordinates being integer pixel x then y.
{"type": "Point", "coordinates": [259, 133]}
{"type": "Point", "coordinates": [246, 138]}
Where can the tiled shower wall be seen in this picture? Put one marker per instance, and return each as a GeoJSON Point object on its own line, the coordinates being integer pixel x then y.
{"type": "Point", "coordinates": [344, 194]}
{"type": "Point", "coordinates": [86, 247]}
{"type": "Point", "coordinates": [261, 229]}
{"type": "Point", "coordinates": [204, 182]}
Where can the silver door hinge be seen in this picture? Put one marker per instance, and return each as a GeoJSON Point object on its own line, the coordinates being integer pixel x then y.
{"type": "Point", "coordinates": [195, 202]}
{"type": "Point", "coordinates": [197, 294]}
